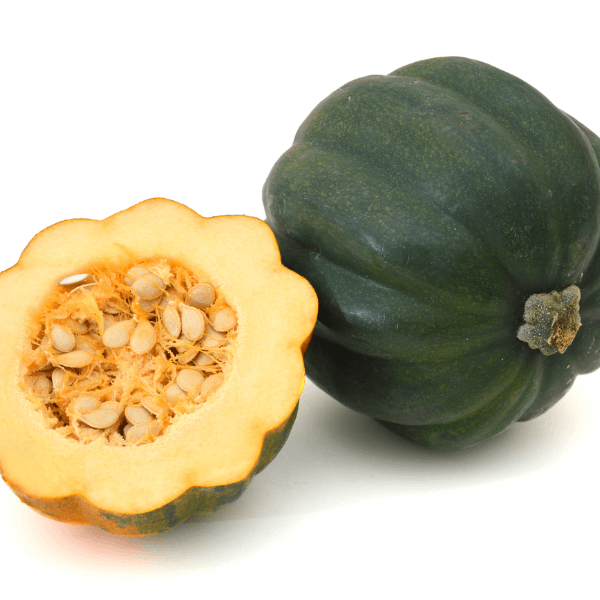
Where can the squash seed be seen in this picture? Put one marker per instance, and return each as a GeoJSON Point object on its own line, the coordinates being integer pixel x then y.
{"type": "Point", "coordinates": [212, 338]}
{"type": "Point", "coordinates": [76, 359]}
{"type": "Point", "coordinates": [171, 320]}
{"type": "Point", "coordinates": [149, 286]}
{"type": "Point", "coordinates": [183, 344]}
{"type": "Point", "coordinates": [60, 378]}
{"type": "Point", "coordinates": [87, 434]}
{"type": "Point", "coordinates": [89, 343]}
{"type": "Point", "coordinates": [37, 360]}
{"type": "Point", "coordinates": [112, 308]}
{"type": "Point", "coordinates": [138, 432]}
{"type": "Point", "coordinates": [192, 322]}
{"type": "Point", "coordinates": [107, 321]}
{"type": "Point", "coordinates": [84, 404]}
{"type": "Point", "coordinates": [104, 416]}
{"type": "Point", "coordinates": [186, 350]}
{"type": "Point", "coordinates": [190, 381]}
{"type": "Point", "coordinates": [134, 273]}
{"type": "Point", "coordinates": [173, 394]}
{"type": "Point", "coordinates": [201, 296]}
{"type": "Point", "coordinates": [143, 337]}
{"type": "Point", "coordinates": [154, 405]}
{"type": "Point", "coordinates": [72, 279]}
{"type": "Point", "coordinates": [203, 360]}
{"type": "Point", "coordinates": [224, 320]}
{"type": "Point", "coordinates": [188, 356]}
{"type": "Point", "coordinates": [63, 339]}
{"type": "Point", "coordinates": [211, 384]}
{"type": "Point", "coordinates": [46, 344]}
{"type": "Point", "coordinates": [93, 380]}
{"type": "Point", "coordinates": [118, 334]}
{"type": "Point", "coordinates": [41, 385]}
{"type": "Point", "coordinates": [137, 414]}
{"type": "Point", "coordinates": [149, 305]}
{"type": "Point", "coordinates": [78, 327]}
{"type": "Point", "coordinates": [116, 439]}
{"type": "Point", "coordinates": [170, 295]}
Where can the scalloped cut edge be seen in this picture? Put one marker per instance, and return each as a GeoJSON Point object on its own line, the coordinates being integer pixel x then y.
{"type": "Point", "coordinates": [218, 447]}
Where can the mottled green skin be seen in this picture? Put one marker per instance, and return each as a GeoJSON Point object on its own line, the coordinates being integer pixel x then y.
{"type": "Point", "coordinates": [193, 503]}
{"type": "Point", "coordinates": [425, 207]}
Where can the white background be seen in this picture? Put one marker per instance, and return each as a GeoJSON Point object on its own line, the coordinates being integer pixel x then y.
{"type": "Point", "coordinates": [105, 104]}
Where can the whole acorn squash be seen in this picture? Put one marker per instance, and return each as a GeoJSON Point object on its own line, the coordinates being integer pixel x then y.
{"type": "Point", "coordinates": [151, 365]}
{"type": "Point", "coordinates": [448, 217]}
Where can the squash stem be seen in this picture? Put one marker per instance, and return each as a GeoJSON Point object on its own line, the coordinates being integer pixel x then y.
{"type": "Point", "coordinates": [551, 320]}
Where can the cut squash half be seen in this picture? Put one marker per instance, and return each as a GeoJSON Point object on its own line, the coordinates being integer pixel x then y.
{"type": "Point", "coordinates": [151, 365]}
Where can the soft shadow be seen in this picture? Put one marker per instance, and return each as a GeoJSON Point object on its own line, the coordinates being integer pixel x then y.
{"type": "Point", "coordinates": [334, 458]}
{"type": "Point", "coordinates": [201, 548]}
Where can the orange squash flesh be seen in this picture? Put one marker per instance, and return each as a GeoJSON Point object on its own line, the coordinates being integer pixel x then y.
{"type": "Point", "coordinates": [207, 457]}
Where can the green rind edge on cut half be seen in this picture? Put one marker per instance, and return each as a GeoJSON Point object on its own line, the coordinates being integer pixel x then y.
{"type": "Point", "coordinates": [190, 506]}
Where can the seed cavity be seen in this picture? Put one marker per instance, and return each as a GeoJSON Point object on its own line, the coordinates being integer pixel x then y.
{"type": "Point", "coordinates": [122, 355]}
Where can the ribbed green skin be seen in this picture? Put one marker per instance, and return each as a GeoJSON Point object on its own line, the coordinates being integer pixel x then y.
{"type": "Point", "coordinates": [425, 207]}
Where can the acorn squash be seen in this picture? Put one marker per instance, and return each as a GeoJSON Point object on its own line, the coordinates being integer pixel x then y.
{"type": "Point", "coordinates": [151, 365]}
{"type": "Point", "coordinates": [448, 217]}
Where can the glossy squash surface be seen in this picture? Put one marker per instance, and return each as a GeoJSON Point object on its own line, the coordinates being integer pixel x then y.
{"type": "Point", "coordinates": [206, 458]}
{"type": "Point", "coordinates": [426, 207]}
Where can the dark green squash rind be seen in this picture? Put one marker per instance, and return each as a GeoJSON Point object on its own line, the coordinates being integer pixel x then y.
{"type": "Point", "coordinates": [425, 207]}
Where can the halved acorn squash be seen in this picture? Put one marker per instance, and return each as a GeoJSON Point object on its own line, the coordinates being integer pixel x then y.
{"type": "Point", "coordinates": [151, 365]}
